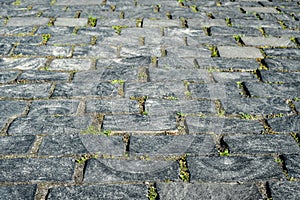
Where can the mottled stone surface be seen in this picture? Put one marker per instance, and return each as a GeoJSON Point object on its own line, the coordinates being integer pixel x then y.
{"type": "Point", "coordinates": [18, 192]}
{"type": "Point", "coordinates": [283, 190]}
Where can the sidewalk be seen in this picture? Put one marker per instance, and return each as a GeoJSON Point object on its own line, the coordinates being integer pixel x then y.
{"type": "Point", "coordinates": [149, 99]}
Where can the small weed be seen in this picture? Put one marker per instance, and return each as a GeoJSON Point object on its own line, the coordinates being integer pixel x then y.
{"type": "Point", "coordinates": [117, 81]}
{"type": "Point", "coordinates": [214, 51]}
{"type": "Point", "coordinates": [194, 8]}
{"type": "Point", "coordinates": [139, 23]}
{"type": "Point", "coordinates": [180, 114]}
{"type": "Point", "coordinates": [122, 15]}
{"type": "Point", "coordinates": [52, 2]}
{"type": "Point", "coordinates": [107, 132]}
{"type": "Point", "coordinates": [171, 98]}
{"type": "Point", "coordinates": [168, 14]}
{"type": "Point", "coordinates": [145, 113]}
{"type": "Point", "coordinates": [219, 3]}
{"type": "Point", "coordinates": [92, 21]}
{"type": "Point", "coordinates": [262, 30]}
{"type": "Point", "coordinates": [17, 2]}
{"type": "Point", "coordinates": [238, 39]}
{"type": "Point", "coordinates": [90, 130]}
{"type": "Point", "coordinates": [156, 8]}
{"type": "Point", "coordinates": [224, 153]}
{"type": "Point", "coordinates": [210, 16]}
{"type": "Point", "coordinates": [181, 3]}
{"type": "Point", "coordinates": [246, 116]}
{"type": "Point", "coordinates": [228, 22]}
{"type": "Point", "coordinates": [184, 171]}
{"type": "Point", "coordinates": [51, 22]}
{"type": "Point", "coordinates": [85, 157]}
{"type": "Point", "coordinates": [282, 24]}
{"type": "Point", "coordinates": [93, 40]}
{"type": "Point", "coordinates": [152, 193]}
{"type": "Point", "coordinates": [207, 30]}
{"type": "Point", "coordinates": [118, 29]}
{"type": "Point", "coordinates": [295, 40]}
{"type": "Point", "coordinates": [45, 38]}
{"type": "Point", "coordinates": [113, 8]}
{"type": "Point", "coordinates": [184, 23]}
{"type": "Point", "coordinates": [29, 7]}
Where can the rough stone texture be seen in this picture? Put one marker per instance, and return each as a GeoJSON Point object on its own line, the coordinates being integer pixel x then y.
{"type": "Point", "coordinates": [42, 51]}
{"type": "Point", "coordinates": [285, 124]}
{"type": "Point", "coordinates": [115, 106]}
{"type": "Point", "coordinates": [107, 170]}
{"type": "Point", "coordinates": [70, 22]}
{"type": "Point", "coordinates": [70, 64]}
{"type": "Point", "coordinates": [18, 192]}
{"type": "Point", "coordinates": [16, 145]}
{"type": "Point", "coordinates": [43, 76]}
{"type": "Point", "coordinates": [37, 169]}
{"type": "Point", "coordinates": [207, 191]}
{"type": "Point", "coordinates": [172, 145]}
{"type": "Point", "coordinates": [282, 64]}
{"type": "Point", "coordinates": [175, 106]}
{"type": "Point", "coordinates": [22, 63]}
{"type": "Point", "coordinates": [239, 52]}
{"type": "Point", "coordinates": [26, 91]}
{"type": "Point", "coordinates": [233, 168]}
{"type": "Point", "coordinates": [261, 144]}
{"type": "Point", "coordinates": [139, 123]}
{"type": "Point", "coordinates": [27, 21]}
{"type": "Point", "coordinates": [292, 164]}
{"type": "Point", "coordinates": [130, 191]}
{"type": "Point", "coordinates": [285, 90]}
{"type": "Point", "coordinates": [280, 77]}
{"type": "Point", "coordinates": [255, 106]}
{"type": "Point", "coordinates": [48, 125]}
{"type": "Point", "coordinates": [269, 41]}
{"type": "Point", "coordinates": [291, 52]}
{"type": "Point", "coordinates": [285, 190]}
{"type": "Point", "coordinates": [222, 125]}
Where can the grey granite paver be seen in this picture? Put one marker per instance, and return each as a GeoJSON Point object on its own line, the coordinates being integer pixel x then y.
{"type": "Point", "coordinates": [100, 170]}
{"type": "Point", "coordinates": [37, 169]}
{"type": "Point", "coordinates": [43, 124]}
{"type": "Point", "coordinates": [172, 145]}
{"type": "Point", "coordinates": [207, 191]}
{"type": "Point", "coordinates": [286, 189]}
{"type": "Point", "coordinates": [16, 145]}
{"type": "Point", "coordinates": [222, 125]}
{"type": "Point", "coordinates": [239, 52]}
{"type": "Point", "coordinates": [158, 89]}
{"type": "Point", "coordinates": [112, 191]}
{"type": "Point", "coordinates": [261, 144]}
{"type": "Point", "coordinates": [18, 192]}
{"type": "Point", "coordinates": [233, 168]}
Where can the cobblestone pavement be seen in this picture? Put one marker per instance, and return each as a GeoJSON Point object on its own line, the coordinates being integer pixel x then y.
{"type": "Point", "coordinates": [149, 99]}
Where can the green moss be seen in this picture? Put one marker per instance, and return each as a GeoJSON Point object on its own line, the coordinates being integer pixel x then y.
{"type": "Point", "coordinates": [118, 29]}
{"type": "Point", "coordinates": [45, 38]}
{"type": "Point", "coordinates": [92, 21]}
{"type": "Point", "coordinates": [152, 193]}
{"type": "Point", "coordinates": [17, 2]}
{"type": "Point", "coordinates": [224, 153]}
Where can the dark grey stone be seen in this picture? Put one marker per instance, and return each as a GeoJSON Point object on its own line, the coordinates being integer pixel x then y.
{"type": "Point", "coordinates": [86, 89]}
{"type": "Point", "coordinates": [134, 51]}
{"type": "Point", "coordinates": [285, 124]}
{"type": "Point", "coordinates": [5, 49]}
{"type": "Point", "coordinates": [291, 64]}
{"type": "Point", "coordinates": [212, 40]}
{"type": "Point", "coordinates": [255, 106]}
{"type": "Point", "coordinates": [124, 62]}
{"type": "Point", "coordinates": [249, 31]}
{"type": "Point", "coordinates": [285, 90]}
{"type": "Point", "coordinates": [18, 192]}
{"type": "Point", "coordinates": [115, 106]}
{"type": "Point", "coordinates": [8, 76]}
{"type": "Point", "coordinates": [175, 62]}
{"type": "Point", "coordinates": [211, 191]}
{"type": "Point", "coordinates": [70, 64]}
{"type": "Point", "coordinates": [239, 52]}
{"type": "Point", "coordinates": [41, 76]}
{"type": "Point", "coordinates": [172, 145]}
{"type": "Point", "coordinates": [233, 168]}
{"type": "Point", "coordinates": [280, 52]}
{"type": "Point", "coordinates": [223, 125]}
{"type": "Point", "coordinates": [54, 107]}
{"type": "Point", "coordinates": [227, 63]}
{"type": "Point", "coordinates": [285, 190]}
{"type": "Point", "coordinates": [233, 76]}
{"type": "Point", "coordinates": [189, 52]}
{"type": "Point", "coordinates": [255, 23]}
{"type": "Point", "coordinates": [280, 77]}
{"type": "Point", "coordinates": [168, 107]}
{"type": "Point", "coordinates": [139, 123]}
{"type": "Point", "coordinates": [268, 41]}
{"type": "Point", "coordinates": [48, 125]}
{"type": "Point", "coordinates": [112, 191]}
{"type": "Point", "coordinates": [108, 74]}
{"type": "Point", "coordinates": [16, 145]}
{"type": "Point", "coordinates": [70, 22]}
{"type": "Point", "coordinates": [292, 163]}
{"type": "Point", "coordinates": [10, 30]}
{"type": "Point", "coordinates": [69, 40]}
{"type": "Point", "coordinates": [25, 91]}
{"type": "Point", "coordinates": [22, 63]}
{"type": "Point", "coordinates": [107, 170]}
{"type": "Point", "coordinates": [214, 90]}
{"type": "Point", "coordinates": [261, 144]}
{"type": "Point", "coordinates": [12, 108]}
{"type": "Point", "coordinates": [171, 74]}
{"type": "Point", "coordinates": [155, 90]}
{"type": "Point", "coordinates": [54, 30]}
{"type": "Point", "coordinates": [37, 169]}
{"type": "Point", "coordinates": [95, 51]}
{"type": "Point", "coordinates": [45, 50]}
